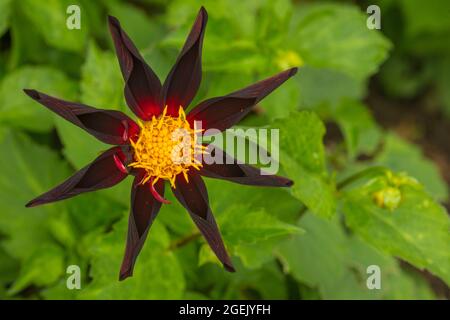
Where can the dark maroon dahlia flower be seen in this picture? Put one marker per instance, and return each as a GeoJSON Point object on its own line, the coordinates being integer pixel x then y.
{"type": "Point", "coordinates": [143, 148]}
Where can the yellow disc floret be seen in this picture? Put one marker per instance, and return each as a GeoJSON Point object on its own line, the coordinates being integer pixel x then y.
{"type": "Point", "coordinates": [165, 147]}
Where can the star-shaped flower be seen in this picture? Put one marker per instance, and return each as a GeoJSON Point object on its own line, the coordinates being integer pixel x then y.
{"type": "Point", "coordinates": [145, 148]}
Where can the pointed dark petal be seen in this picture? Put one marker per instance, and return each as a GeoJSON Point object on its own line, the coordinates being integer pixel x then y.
{"type": "Point", "coordinates": [223, 112]}
{"type": "Point", "coordinates": [108, 126]}
{"type": "Point", "coordinates": [144, 209]}
{"type": "Point", "coordinates": [229, 169]}
{"type": "Point", "coordinates": [100, 174]}
{"type": "Point", "coordinates": [142, 86]}
{"type": "Point", "coordinates": [194, 197]}
{"type": "Point", "coordinates": [183, 80]}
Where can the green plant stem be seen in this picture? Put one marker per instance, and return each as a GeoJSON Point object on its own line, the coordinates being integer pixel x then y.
{"type": "Point", "coordinates": [360, 174]}
{"type": "Point", "coordinates": [183, 241]}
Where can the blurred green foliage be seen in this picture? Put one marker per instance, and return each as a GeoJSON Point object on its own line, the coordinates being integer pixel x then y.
{"type": "Point", "coordinates": [421, 58]}
{"type": "Point", "coordinates": [313, 241]}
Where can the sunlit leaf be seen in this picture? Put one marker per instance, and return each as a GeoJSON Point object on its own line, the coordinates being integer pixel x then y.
{"type": "Point", "coordinates": [393, 156]}
{"type": "Point", "coordinates": [157, 274]}
{"type": "Point", "coordinates": [19, 110]}
{"type": "Point", "coordinates": [362, 135]}
{"type": "Point", "coordinates": [328, 259]}
{"type": "Point", "coordinates": [43, 267]}
{"type": "Point", "coordinates": [50, 20]}
{"type": "Point", "coordinates": [416, 228]}
{"type": "Point", "coordinates": [302, 158]}
{"type": "Point", "coordinates": [336, 36]}
{"type": "Point", "coordinates": [27, 229]}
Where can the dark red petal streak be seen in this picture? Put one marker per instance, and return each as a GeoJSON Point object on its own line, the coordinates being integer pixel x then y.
{"type": "Point", "coordinates": [183, 80]}
{"type": "Point", "coordinates": [233, 171]}
{"type": "Point", "coordinates": [108, 126]}
{"type": "Point", "coordinates": [119, 164]}
{"type": "Point", "coordinates": [223, 112]}
{"type": "Point", "coordinates": [156, 195]}
{"type": "Point", "coordinates": [142, 86]}
{"type": "Point", "coordinates": [144, 209]}
{"type": "Point", "coordinates": [194, 197]}
{"type": "Point", "coordinates": [100, 174]}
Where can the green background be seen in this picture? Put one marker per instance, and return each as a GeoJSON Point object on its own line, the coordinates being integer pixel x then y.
{"type": "Point", "coordinates": [314, 241]}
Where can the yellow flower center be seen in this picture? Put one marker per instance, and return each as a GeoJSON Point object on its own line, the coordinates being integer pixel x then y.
{"type": "Point", "coordinates": [166, 146]}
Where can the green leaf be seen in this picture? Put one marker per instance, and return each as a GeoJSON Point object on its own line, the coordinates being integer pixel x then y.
{"type": "Point", "coordinates": [325, 257]}
{"type": "Point", "coordinates": [274, 204]}
{"type": "Point", "coordinates": [273, 20]}
{"type": "Point", "coordinates": [25, 41]}
{"type": "Point", "coordinates": [175, 217]}
{"type": "Point", "coordinates": [59, 291]}
{"type": "Point", "coordinates": [318, 259]}
{"type": "Point", "coordinates": [268, 281]}
{"type": "Point", "coordinates": [80, 148]}
{"type": "Point", "coordinates": [245, 219]}
{"type": "Point", "coordinates": [94, 210]}
{"type": "Point", "coordinates": [8, 268]}
{"type": "Point", "coordinates": [278, 202]}
{"type": "Point", "coordinates": [216, 84]}
{"type": "Point", "coordinates": [242, 226]}
{"type": "Point", "coordinates": [334, 86]}
{"type": "Point", "coordinates": [50, 21]}
{"type": "Point", "coordinates": [160, 61]}
{"type": "Point", "coordinates": [19, 110]}
{"type": "Point", "coordinates": [336, 36]}
{"type": "Point", "coordinates": [157, 274]}
{"type": "Point", "coordinates": [5, 12]}
{"type": "Point", "coordinates": [422, 23]}
{"type": "Point", "coordinates": [62, 229]}
{"type": "Point", "coordinates": [135, 21]}
{"type": "Point", "coordinates": [28, 47]}
{"type": "Point", "coordinates": [415, 228]}
{"type": "Point", "coordinates": [23, 178]}
{"type": "Point", "coordinates": [302, 158]}
{"type": "Point", "coordinates": [206, 255]}
{"type": "Point", "coordinates": [393, 156]}
{"type": "Point", "coordinates": [283, 101]}
{"type": "Point", "coordinates": [44, 267]}
{"type": "Point", "coordinates": [250, 234]}
{"type": "Point", "coordinates": [396, 283]}
{"type": "Point", "coordinates": [101, 83]}
{"type": "Point", "coordinates": [230, 45]}
{"type": "Point", "coordinates": [361, 133]}
{"type": "Point", "coordinates": [252, 243]}
{"type": "Point", "coordinates": [424, 17]}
